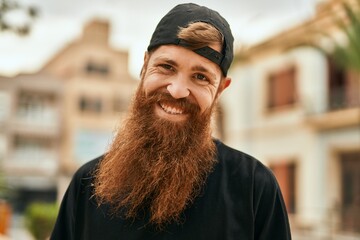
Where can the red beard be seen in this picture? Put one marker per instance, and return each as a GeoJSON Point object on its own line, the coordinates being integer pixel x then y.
{"type": "Point", "coordinates": [154, 164]}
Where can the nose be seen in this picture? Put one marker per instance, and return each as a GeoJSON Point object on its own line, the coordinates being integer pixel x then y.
{"type": "Point", "coordinates": [178, 88]}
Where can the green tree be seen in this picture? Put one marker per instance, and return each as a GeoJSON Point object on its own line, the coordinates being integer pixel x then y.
{"type": "Point", "coordinates": [348, 55]}
{"type": "Point", "coordinates": [8, 7]}
{"type": "Point", "coordinates": [40, 219]}
{"type": "Point", "coordinates": [4, 190]}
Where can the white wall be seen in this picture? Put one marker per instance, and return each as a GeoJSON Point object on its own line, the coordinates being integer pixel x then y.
{"type": "Point", "coordinates": [286, 134]}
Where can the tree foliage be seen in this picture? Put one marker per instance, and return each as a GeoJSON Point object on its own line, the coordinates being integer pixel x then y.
{"type": "Point", "coordinates": [348, 55]}
{"type": "Point", "coordinates": [8, 7]}
{"type": "Point", "coordinates": [40, 219]}
{"type": "Point", "coordinates": [4, 189]}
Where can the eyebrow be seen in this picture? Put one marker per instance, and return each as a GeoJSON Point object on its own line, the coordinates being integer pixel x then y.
{"type": "Point", "coordinates": [167, 60]}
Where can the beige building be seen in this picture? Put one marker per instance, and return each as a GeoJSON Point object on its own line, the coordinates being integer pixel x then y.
{"type": "Point", "coordinates": [297, 112]}
{"type": "Point", "coordinates": [4, 115]}
{"type": "Point", "coordinates": [97, 91]}
{"type": "Point", "coordinates": [64, 115]}
{"type": "Point", "coordinates": [31, 136]}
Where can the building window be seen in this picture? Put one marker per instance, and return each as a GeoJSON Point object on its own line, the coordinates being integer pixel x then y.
{"type": "Point", "coordinates": [281, 89]}
{"type": "Point", "coordinates": [97, 68]}
{"type": "Point", "coordinates": [350, 196]}
{"type": "Point", "coordinates": [30, 105]}
{"type": "Point", "coordinates": [91, 105]}
{"type": "Point", "coordinates": [285, 174]}
{"type": "Point", "coordinates": [36, 107]}
{"type": "Point", "coordinates": [343, 87]}
{"type": "Point", "coordinates": [90, 143]}
{"type": "Point", "coordinates": [31, 149]}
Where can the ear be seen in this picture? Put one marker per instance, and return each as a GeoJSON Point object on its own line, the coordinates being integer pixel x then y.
{"type": "Point", "coordinates": [143, 69]}
{"type": "Point", "coordinates": [146, 56]}
{"type": "Point", "coordinates": [223, 85]}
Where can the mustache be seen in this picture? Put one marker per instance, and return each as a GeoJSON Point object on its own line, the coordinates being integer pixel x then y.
{"type": "Point", "coordinates": [186, 104]}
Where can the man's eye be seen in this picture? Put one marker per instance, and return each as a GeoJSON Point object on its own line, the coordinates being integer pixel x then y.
{"type": "Point", "coordinates": [201, 77]}
{"type": "Point", "coordinates": [166, 66]}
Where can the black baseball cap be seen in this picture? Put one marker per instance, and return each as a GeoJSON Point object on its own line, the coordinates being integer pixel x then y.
{"type": "Point", "coordinates": [183, 14]}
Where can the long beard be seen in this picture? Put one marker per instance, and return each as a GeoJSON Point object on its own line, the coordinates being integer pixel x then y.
{"type": "Point", "coordinates": [154, 165]}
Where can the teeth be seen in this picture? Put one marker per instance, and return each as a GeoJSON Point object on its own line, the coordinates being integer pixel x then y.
{"type": "Point", "coordinates": [171, 110]}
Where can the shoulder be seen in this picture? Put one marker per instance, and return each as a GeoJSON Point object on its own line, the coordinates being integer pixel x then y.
{"type": "Point", "coordinates": [243, 164]}
{"type": "Point", "coordinates": [229, 155]}
{"type": "Point", "coordinates": [85, 172]}
{"type": "Point", "coordinates": [81, 182]}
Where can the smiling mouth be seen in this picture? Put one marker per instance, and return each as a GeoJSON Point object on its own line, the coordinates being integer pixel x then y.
{"type": "Point", "coordinates": [171, 109]}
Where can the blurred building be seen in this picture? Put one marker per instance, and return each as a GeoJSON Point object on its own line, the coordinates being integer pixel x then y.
{"type": "Point", "coordinates": [291, 107]}
{"type": "Point", "coordinates": [4, 115]}
{"type": "Point", "coordinates": [31, 134]}
{"type": "Point", "coordinates": [55, 120]}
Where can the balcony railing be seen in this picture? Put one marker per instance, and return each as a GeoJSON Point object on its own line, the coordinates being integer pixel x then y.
{"type": "Point", "coordinates": [47, 122]}
{"type": "Point", "coordinates": [343, 97]}
{"type": "Point", "coordinates": [45, 161]}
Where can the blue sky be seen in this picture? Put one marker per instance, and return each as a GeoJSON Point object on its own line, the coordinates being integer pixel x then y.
{"type": "Point", "coordinates": [132, 24]}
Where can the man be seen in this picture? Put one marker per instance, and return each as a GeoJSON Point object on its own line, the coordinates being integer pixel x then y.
{"type": "Point", "coordinates": [164, 176]}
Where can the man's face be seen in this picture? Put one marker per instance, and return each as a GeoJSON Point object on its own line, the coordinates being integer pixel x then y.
{"type": "Point", "coordinates": [184, 75]}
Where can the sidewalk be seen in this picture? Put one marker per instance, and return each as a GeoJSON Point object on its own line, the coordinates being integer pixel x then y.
{"type": "Point", "coordinates": [18, 230]}
{"type": "Point", "coordinates": [310, 236]}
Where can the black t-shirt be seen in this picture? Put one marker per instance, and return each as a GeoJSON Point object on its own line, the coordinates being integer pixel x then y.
{"type": "Point", "coordinates": [241, 200]}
